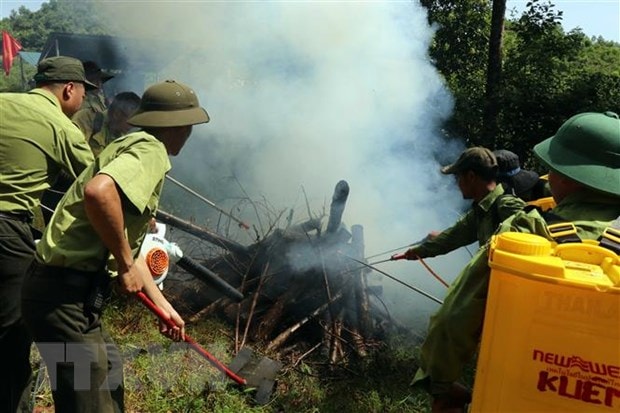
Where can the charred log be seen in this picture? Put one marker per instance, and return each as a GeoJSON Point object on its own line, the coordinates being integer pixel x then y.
{"type": "Point", "coordinates": [339, 199]}
{"type": "Point", "coordinates": [200, 232]}
{"type": "Point", "coordinates": [298, 286]}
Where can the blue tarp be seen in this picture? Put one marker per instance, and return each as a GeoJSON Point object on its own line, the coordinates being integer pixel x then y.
{"type": "Point", "coordinates": [30, 57]}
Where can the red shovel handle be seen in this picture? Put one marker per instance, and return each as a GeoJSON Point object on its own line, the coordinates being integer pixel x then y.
{"type": "Point", "coordinates": [215, 362]}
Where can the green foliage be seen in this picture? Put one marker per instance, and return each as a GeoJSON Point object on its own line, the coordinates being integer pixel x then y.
{"type": "Point", "coordinates": [548, 75]}
{"type": "Point", "coordinates": [32, 28]}
{"type": "Point", "coordinates": [69, 16]}
{"type": "Point", "coordinates": [459, 51]}
{"type": "Point", "coordinates": [17, 80]}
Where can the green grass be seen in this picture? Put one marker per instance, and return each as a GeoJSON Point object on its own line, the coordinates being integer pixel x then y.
{"type": "Point", "coordinates": [161, 378]}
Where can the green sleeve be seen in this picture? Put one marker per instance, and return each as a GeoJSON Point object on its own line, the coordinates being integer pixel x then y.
{"type": "Point", "coordinates": [138, 171]}
{"type": "Point", "coordinates": [462, 233]}
{"type": "Point", "coordinates": [74, 152]}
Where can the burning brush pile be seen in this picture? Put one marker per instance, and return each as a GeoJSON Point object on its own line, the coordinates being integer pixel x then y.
{"type": "Point", "coordinates": [303, 289]}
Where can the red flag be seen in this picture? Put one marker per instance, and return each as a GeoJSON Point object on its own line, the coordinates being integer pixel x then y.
{"type": "Point", "coordinates": [10, 48]}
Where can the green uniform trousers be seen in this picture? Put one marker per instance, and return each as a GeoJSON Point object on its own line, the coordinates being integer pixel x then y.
{"type": "Point", "coordinates": [454, 330]}
{"type": "Point", "coordinates": [83, 363]}
{"type": "Point", "coordinates": [16, 255]}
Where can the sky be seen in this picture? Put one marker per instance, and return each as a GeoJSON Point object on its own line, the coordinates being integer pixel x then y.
{"type": "Point", "coordinates": [594, 17]}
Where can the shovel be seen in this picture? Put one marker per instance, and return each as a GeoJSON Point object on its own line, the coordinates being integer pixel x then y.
{"type": "Point", "coordinates": [258, 372]}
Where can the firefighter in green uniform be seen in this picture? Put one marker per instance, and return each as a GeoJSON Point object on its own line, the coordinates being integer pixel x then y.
{"type": "Point", "coordinates": [475, 171]}
{"type": "Point", "coordinates": [523, 183]}
{"type": "Point", "coordinates": [37, 141]}
{"type": "Point", "coordinates": [112, 123]}
{"type": "Point", "coordinates": [583, 158]}
{"type": "Point", "coordinates": [106, 211]}
{"type": "Point", "coordinates": [95, 101]}
{"type": "Point", "coordinates": [87, 117]}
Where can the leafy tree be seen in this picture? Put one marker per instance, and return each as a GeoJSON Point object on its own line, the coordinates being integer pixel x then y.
{"type": "Point", "coordinates": [33, 28]}
{"type": "Point", "coordinates": [549, 76]}
{"type": "Point", "coordinates": [459, 51]}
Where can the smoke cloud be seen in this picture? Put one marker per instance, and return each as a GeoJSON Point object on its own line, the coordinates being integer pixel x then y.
{"type": "Point", "coordinates": [302, 95]}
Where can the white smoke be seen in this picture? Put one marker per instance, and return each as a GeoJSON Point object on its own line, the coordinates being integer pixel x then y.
{"type": "Point", "coordinates": [302, 95]}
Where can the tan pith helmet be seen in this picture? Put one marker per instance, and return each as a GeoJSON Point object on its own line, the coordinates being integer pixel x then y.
{"type": "Point", "coordinates": [168, 104]}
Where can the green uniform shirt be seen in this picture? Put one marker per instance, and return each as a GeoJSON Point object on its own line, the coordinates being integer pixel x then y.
{"type": "Point", "coordinates": [37, 141]}
{"type": "Point", "coordinates": [94, 103]}
{"type": "Point", "coordinates": [478, 224]}
{"type": "Point", "coordinates": [101, 138]}
{"type": "Point", "coordinates": [454, 330]}
{"type": "Point", "coordinates": [138, 163]}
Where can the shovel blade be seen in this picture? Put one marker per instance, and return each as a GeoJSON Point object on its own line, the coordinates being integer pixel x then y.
{"type": "Point", "coordinates": [259, 372]}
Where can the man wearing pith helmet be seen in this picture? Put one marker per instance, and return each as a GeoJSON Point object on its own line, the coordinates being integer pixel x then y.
{"type": "Point", "coordinates": [583, 158]}
{"type": "Point", "coordinates": [97, 230]}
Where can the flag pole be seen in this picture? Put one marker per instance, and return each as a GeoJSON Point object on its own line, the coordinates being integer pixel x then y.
{"type": "Point", "coordinates": [21, 69]}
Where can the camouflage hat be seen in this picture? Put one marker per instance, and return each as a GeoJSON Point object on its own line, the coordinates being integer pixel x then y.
{"type": "Point", "coordinates": [476, 158]}
{"type": "Point", "coordinates": [62, 68]}
{"type": "Point", "coordinates": [169, 104]}
{"type": "Point", "coordinates": [586, 149]}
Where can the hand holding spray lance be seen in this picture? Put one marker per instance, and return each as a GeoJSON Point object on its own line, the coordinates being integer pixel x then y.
{"type": "Point", "coordinates": [405, 256]}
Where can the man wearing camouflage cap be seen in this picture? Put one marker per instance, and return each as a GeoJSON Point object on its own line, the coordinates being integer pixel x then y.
{"type": "Point", "coordinates": [97, 229]}
{"type": "Point", "coordinates": [475, 171]}
{"type": "Point", "coordinates": [37, 143]}
{"type": "Point", "coordinates": [583, 158]}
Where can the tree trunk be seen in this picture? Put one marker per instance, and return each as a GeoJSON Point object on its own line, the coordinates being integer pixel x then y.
{"type": "Point", "coordinates": [494, 73]}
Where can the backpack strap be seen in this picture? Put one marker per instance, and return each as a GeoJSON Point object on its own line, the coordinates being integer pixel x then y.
{"type": "Point", "coordinates": [610, 238]}
{"type": "Point", "coordinates": [561, 231]}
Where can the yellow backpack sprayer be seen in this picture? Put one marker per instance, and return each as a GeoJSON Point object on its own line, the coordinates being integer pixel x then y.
{"type": "Point", "coordinates": [551, 335]}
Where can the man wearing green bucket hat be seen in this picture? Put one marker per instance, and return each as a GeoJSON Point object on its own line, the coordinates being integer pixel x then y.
{"type": "Point", "coordinates": [96, 230]}
{"type": "Point", "coordinates": [583, 158]}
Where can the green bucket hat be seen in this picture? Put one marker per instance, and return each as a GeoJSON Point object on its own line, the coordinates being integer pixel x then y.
{"type": "Point", "coordinates": [169, 104]}
{"type": "Point", "coordinates": [476, 159]}
{"type": "Point", "coordinates": [586, 149]}
{"type": "Point", "coordinates": [62, 68]}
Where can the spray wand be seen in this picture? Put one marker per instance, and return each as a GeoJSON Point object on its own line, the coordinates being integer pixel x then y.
{"type": "Point", "coordinates": [403, 256]}
{"type": "Point", "coordinates": [210, 203]}
{"type": "Point", "coordinates": [417, 290]}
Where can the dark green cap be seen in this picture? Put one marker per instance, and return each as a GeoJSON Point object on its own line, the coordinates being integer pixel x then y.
{"type": "Point", "coordinates": [586, 149]}
{"type": "Point", "coordinates": [169, 104]}
{"type": "Point", "coordinates": [476, 159]}
{"type": "Point", "coordinates": [62, 68]}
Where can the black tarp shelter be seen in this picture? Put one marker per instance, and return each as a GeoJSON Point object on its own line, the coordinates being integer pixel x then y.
{"type": "Point", "coordinates": [132, 60]}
